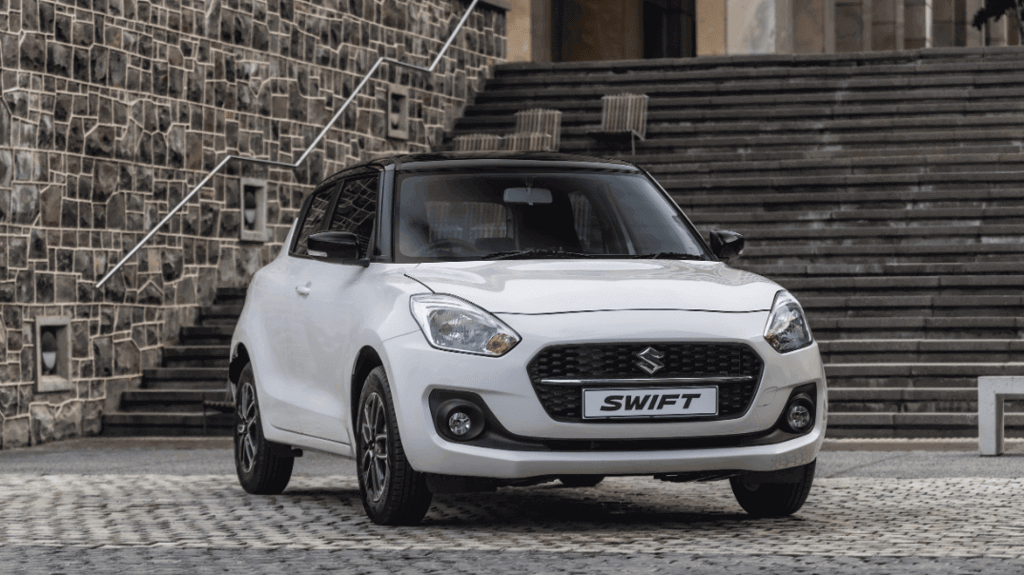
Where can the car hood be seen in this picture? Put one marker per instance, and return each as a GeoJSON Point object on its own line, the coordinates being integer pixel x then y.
{"type": "Point", "coordinates": [555, 286]}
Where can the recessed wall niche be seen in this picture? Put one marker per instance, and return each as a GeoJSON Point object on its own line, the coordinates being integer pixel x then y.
{"type": "Point", "coordinates": [253, 204]}
{"type": "Point", "coordinates": [398, 112]}
{"type": "Point", "coordinates": [53, 353]}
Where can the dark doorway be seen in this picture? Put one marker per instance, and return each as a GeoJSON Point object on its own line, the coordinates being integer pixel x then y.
{"type": "Point", "coordinates": [621, 29]}
{"type": "Point", "coordinates": [668, 28]}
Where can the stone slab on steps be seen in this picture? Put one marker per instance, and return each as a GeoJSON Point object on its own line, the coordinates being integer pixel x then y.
{"type": "Point", "coordinates": [810, 217]}
{"type": "Point", "coordinates": [914, 425]}
{"type": "Point", "coordinates": [913, 400]}
{"type": "Point", "coordinates": [1006, 327]}
{"type": "Point", "coordinates": [921, 350]}
{"type": "Point", "coordinates": [169, 401]}
{"type": "Point", "coordinates": [968, 194]}
{"type": "Point", "coordinates": [134, 424]}
{"type": "Point", "coordinates": [915, 374]}
{"type": "Point", "coordinates": [937, 285]}
{"type": "Point", "coordinates": [654, 162]}
{"type": "Point", "coordinates": [884, 269]}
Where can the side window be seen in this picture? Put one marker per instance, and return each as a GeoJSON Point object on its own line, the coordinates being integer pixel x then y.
{"type": "Point", "coordinates": [356, 209]}
{"type": "Point", "coordinates": [314, 219]}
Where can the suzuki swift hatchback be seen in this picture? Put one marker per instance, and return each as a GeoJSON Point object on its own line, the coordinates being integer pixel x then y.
{"type": "Point", "coordinates": [461, 323]}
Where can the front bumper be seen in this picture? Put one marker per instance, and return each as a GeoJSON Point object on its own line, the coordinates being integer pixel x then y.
{"type": "Point", "coordinates": [415, 370]}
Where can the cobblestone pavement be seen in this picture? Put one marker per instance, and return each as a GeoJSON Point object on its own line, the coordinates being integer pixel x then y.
{"type": "Point", "coordinates": [206, 523]}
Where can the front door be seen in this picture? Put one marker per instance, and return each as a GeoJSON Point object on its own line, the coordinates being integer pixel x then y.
{"type": "Point", "coordinates": [331, 312]}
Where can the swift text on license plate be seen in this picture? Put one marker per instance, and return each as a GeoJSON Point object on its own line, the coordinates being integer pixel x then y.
{"type": "Point", "coordinates": [656, 402]}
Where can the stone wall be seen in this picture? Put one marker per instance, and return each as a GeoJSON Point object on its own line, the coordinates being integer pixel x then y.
{"type": "Point", "coordinates": [113, 110]}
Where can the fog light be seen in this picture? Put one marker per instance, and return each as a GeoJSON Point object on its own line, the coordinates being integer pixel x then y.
{"type": "Point", "coordinates": [799, 417]}
{"type": "Point", "coordinates": [459, 420]}
{"type": "Point", "coordinates": [800, 414]}
{"type": "Point", "coordinates": [459, 423]}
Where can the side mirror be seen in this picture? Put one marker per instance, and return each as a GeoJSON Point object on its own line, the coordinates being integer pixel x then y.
{"type": "Point", "coordinates": [335, 246]}
{"type": "Point", "coordinates": [726, 245]}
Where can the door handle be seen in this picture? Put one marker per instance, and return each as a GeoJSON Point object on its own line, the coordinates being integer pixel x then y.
{"type": "Point", "coordinates": [303, 290]}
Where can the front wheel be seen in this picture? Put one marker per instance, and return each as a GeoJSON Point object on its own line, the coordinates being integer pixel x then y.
{"type": "Point", "coordinates": [768, 499]}
{"type": "Point", "coordinates": [393, 492]}
{"type": "Point", "coordinates": [260, 470]}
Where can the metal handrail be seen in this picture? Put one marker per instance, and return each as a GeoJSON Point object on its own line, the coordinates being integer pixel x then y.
{"type": "Point", "coordinates": [302, 158]}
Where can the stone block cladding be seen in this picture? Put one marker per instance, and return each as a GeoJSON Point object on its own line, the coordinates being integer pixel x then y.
{"type": "Point", "coordinates": [113, 110]}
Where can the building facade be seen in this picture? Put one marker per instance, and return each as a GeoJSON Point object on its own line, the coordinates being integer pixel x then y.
{"type": "Point", "coordinates": [113, 110]}
{"type": "Point", "coordinates": [580, 30]}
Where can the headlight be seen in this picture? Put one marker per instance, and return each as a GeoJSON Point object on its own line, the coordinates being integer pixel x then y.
{"type": "Point", "coordinates": [787, 328]}
{"type": "Point", "coordinates": [454, 324]}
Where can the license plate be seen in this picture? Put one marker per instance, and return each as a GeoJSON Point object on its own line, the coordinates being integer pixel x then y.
{"type": "Point", "coordinates": [658, 402]}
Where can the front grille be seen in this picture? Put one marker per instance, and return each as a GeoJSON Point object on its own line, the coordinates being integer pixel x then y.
{"type": "Point", "coordinates": [618, 361]}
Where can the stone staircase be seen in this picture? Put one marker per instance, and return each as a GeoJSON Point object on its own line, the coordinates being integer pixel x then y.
{"type": "Point", "coordinates": [170, 401]}
{"type": "Point", "coordinates": [884, 189]}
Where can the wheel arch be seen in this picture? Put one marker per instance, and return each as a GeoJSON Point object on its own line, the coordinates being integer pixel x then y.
{"type": "Point", "coordinates": [241, 357]}
{"type": "Point", "coordinates": [366, 360]}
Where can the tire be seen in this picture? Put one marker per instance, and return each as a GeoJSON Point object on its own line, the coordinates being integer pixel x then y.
{"type": "Point", "coordinates": [261, 470]}
{"type": "Point", "coordinates": [773, 499]}
{"type": "Point", "coordinates": [581, 480]}
{"type": "Point", "coordinates": [393, 492]}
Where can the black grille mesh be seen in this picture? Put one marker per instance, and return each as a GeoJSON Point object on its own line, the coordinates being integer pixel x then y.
{"type": "Point", "coordinates": [614, 361]}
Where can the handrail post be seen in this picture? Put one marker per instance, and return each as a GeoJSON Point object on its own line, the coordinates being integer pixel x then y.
{"type": "Point", "coordinates": [302, 158]}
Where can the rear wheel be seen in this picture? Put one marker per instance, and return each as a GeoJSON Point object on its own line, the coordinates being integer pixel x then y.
{"type": "Point", "coordinates": [393, 492]}
{"type": "Point", "coordinates": [581, 480]}
{"type": "Point", "coordinates": [260, 470]}
{"type": "Point", "coordinates": [773, 499]}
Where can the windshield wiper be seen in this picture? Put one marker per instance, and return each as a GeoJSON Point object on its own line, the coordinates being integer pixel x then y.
{"type": "Point", "coordinates": [534, 253]}
{"type": "Point", "coordinates": [668, 256]}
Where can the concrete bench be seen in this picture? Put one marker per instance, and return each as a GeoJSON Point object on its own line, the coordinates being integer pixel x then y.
{"type": "Point", "coordinates": [992, 392]}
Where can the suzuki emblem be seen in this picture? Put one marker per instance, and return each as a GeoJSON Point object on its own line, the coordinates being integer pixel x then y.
{"type": "Point", "coordinates": [649, 360]}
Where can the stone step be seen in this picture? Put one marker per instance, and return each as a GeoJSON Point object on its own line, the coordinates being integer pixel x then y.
{"type": "Point", "coordinates": [846, 217]}
{"type": "Point", "coordinates": [801, 183]}
{"type": "Point", "coordinates": [695, 94]}
{"type": "Point", "coordinates": [917, 306]}
{"type": "Point", "coordinates": [867, 425]}
{"type": "Point", "coordinates": [173, 373]}
{"type": "Point", "coordinates": [909, 400]}
{"type": "Point", "coordinates": [871, 165]}
{"type": "Point", "coordinates": [921, 350]}
{"type": "Point", "coordinates": [653, 161]}
{"type": "Point", "coordinates": [169, 401]}
{"type": "Point", "coordinates": [895, 195]}
{"type": "Point", "coordinates": [232, 310]}
{"type": "Point", "coordinates": [832, 328]}
{"type": "Point", "coordinates": [901, 375]}
{"type": "Point", "coordinates": [196, 356]}
{"type": "Point", "coordinates": [207, 334]}
{"type": "Point", "coordinates": [977, 62]}
{"type": "Point", "coordinates": [143, 424]}
{"type": "Point", "coordinates": [674, 123]}
{"type": "Point", "coordinates": [230, 295]}
{"type": "Point", "coordinates": [841, 269]}
{"type": "Point", "coordinates": [902, 285]}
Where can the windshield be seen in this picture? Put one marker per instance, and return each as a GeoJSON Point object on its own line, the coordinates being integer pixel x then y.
{"type": "Point", "coordinates": [474, 216]}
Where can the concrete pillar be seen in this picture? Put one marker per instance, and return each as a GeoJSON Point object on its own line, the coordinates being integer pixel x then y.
{"type": "Point", "coordinates": [529, 31]}
{"type": "Point", "coordinates": [758, 26]}
{"type": "Point", "coordinates": [917, 28]}
{"type": "Point", "coordinates": [943, 23]}
{"type": "Point", "coordinates": [997, 32]}
{"type": "Point", "coordinates": [710, 27]}
{"type": "Point", "coordinates": [887, 25]}
{"type": "Point", "coordinates": [853, 25]}
{"type": "Point", "coordinates": [973, 38]}
{"type": "Point", "coordinates": [814, 26]}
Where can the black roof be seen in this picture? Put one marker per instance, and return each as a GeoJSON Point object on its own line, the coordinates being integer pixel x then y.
{"type": "Point", "coordinates": [489, 160]}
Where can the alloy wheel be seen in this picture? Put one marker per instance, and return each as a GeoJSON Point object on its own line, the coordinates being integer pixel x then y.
{"type": "Point", "coordinates": [373, 428]}
{"type": "Point", "coordinates": [246, 431]}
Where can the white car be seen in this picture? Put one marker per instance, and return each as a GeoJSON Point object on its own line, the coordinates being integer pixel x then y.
{"type": "Point", "coordinates": [462, 323]}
